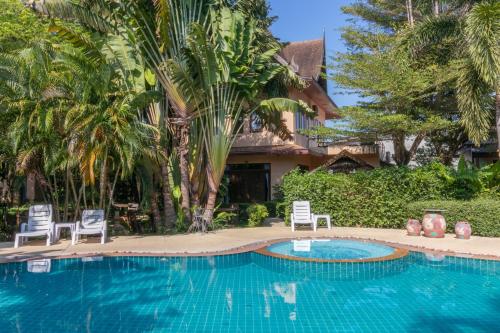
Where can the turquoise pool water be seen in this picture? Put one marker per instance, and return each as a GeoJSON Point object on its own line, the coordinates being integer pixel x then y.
{"type": "Point", "coordinates": [331, 249]}
{"type": "Point", "coordinates": [251, 293]}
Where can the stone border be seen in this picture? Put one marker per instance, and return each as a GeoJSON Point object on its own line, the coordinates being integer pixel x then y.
{"type": "Point", "coordinates": [248, 248]}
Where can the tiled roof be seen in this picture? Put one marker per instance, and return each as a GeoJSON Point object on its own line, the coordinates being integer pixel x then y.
{"type": "Point", "coordinates": [286, 149]}
{"type": "Point", "coordinates": [343, 155]}
{"type": "Point", "coordinates": [305, 57]}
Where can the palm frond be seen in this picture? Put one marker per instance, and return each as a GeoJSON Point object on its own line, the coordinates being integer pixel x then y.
{"type": "Point", "coordinates": [474, 102]}
{"type": "Point", "coordinates": [482, 31]}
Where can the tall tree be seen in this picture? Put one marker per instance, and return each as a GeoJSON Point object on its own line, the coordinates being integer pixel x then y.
{"type": "Point", "coordinates": [193, 48]}
{"type": "Point", "coordinates": [399, 98]}
{"type": "Point", "coordinates": [471, 36]}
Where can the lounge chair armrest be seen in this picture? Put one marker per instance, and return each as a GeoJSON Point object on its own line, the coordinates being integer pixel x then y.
{"type": "Point", "coordinates": [291, 218]}
{"type": "Point", "coordinates": [77, 225]}
{"type": "Point", "coordinates": [105, 225]}
{"type": "Point", "coordinates": [24, 227]}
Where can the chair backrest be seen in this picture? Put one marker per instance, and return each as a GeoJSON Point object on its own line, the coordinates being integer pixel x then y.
{"type": "Point", "coordinates": [93, 218]}
{"type": "Point", "coordinates": [39, 217]}
{"type": "Point", "coordinates": [133, 207]}
{"type": "Point", "coordinates": [302, 212]}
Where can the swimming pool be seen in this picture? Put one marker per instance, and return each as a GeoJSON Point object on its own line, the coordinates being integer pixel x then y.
{"type": "Point", "coordinates": [331, 249]}
{"type": "Point", "coordinates": [250, 292]}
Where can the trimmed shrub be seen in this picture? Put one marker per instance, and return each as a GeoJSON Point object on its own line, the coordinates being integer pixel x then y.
{"type": "Point", "coordinates": [256, 215]}
{"type": "Point", "coordinates": [371, 199]}
{"type": "Point", "coordinates": [380, 198]}
{"type": "Point", "coordinates": [482, 214]}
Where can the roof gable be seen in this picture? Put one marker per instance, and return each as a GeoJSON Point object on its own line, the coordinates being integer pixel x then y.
{"type": "Point", "coordinates": [346, 162]}
{"type": "Point", "coordinates": [307, 58]}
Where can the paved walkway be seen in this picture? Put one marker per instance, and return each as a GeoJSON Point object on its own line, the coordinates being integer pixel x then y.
{"type": "Point", "coordinates": [235, 240]}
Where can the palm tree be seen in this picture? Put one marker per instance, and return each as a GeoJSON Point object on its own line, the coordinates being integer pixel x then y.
{"type": "Point", "coordinates": [104, 122]}
{"type": "Point", "coordinates": [194, 48]}
{"type": "Point", "coordinates": [32, 90]}
{"type": "Point", "coordinates": [472, 36]}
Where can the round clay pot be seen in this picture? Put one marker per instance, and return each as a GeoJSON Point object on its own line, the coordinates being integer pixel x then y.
{"type": "Point", "coordinates": [413, 227]}
{"type": "Point", "coordinates": [434, 224]}
{"type": "Point", "coordinates": [463, 230]}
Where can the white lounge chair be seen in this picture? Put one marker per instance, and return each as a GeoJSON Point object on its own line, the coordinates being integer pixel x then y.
{"type": "Point", "coordinates": [92, 223]}
{"type": "Point", "coordinates": [302, 245]}
{"type": "Point", "coordinates": [39, 224]}
{"type": "Point", "coordinates": [302, 214]}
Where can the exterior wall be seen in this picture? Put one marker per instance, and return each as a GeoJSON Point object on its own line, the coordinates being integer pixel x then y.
{"type": "Point", "coordinates": [280, 165]}
{"type": "Point", "coordinates": [266, 138]}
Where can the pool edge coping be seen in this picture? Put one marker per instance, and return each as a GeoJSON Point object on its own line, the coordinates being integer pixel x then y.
{"type": "Point", "coordinates": [251, 247]}
{"type": "Point", "coordinates": [397, 254]}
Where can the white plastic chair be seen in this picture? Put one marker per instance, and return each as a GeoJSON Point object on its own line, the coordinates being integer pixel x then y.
{"type": "Point", "coordinates": [39, 224]}
{"type": "Point", "coordinates": [92, 223]}
{"type": "Point", "coordinates": [302, 214]}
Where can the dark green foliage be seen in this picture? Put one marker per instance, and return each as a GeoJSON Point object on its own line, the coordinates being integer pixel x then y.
{"type": "Point", "coordinates": [380, 198]}
{"type": "Point", "coordinates": [256, 215]}
{"type": "Point", "coordinates": [482, 214]}
{"type": "Point", "coordinates": [223, 219]}
{"type": "Point", "coordinates": [271, 207]}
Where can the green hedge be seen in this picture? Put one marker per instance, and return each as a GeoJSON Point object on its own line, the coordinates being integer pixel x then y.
{"type": "Point", "coordinates": [482, 214]}
{"type": "Point", "coordinates": [380, 198]}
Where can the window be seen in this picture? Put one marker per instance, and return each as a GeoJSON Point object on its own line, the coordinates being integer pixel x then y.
{"type": "Point", "coordinates": [240, 124]}
{"type": "Point", "coordinates": [249, 182]}
{"type": "Point", "coordinates": [304, 122]}
{"type": "Point", "coordinates": [255, 123]}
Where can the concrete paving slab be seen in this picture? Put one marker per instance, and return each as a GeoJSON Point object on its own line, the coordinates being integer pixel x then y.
{"type": "Point", "coordinates": [242, 239]}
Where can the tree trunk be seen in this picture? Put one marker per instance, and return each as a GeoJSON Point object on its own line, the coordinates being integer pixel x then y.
{"type": "Point", "coordinates": [209, 210]}
{"type": "Point", "coordinates": [168, 206]}
{"type": "Point", "coordinates": [112, 192]}
{"type": "Point", "coordinates": [155, 212]}
{"type": "Point", "coordinates": [195, 193]}
{"type": "Point", "coordinates": [45, 184]}
{"type": "Point", "coordinates": [55, 198]}
{"type": "Point", "coordinates": [77, 204]}
{"type": "Point", "coordinates": [497, 106]}
{"type": "Point", "coordinates": [102, 181]}
{"type": "Point", "coordinates": [435, 7]}
{"type": "Point", "coordinates": [66, 195]}
{"type": "Point", "coordinates": [400, 153]}
{"type": "Point", "coordinates": [84, 195]}
{"type": "Point", "coordinates": [213, 188]}
{"type": "Point", "coordinates": [184, 170]}
{"type": "Point", "coordinates": [413, 149]}
{"type": "Point", "coordinates": [409, 13]}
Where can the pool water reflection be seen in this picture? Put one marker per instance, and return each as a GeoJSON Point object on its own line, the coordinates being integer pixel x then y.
{"type": "Point", "coordinates": [248, 293]}
{"type": "Point", "coordinates": [331, 249]}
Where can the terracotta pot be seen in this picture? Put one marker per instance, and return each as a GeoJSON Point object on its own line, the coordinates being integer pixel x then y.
{"type": "Point", "coordinates": [434, 224]}
{"type": "Point", "coordinates": [413, 227]}
{"type": "Point", "coordinates": [463, 230]}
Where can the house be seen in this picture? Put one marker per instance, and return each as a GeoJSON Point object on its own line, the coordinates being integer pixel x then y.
{"type": "Point", "coordinates": [259, 159]}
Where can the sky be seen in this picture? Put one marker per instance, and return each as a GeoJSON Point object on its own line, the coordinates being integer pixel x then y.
{"type": "Point", "coordinates": [307, 19]}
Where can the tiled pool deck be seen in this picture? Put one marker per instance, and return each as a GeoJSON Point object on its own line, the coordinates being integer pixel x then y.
{"type": "Point", "coordinates": [240, 240]}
